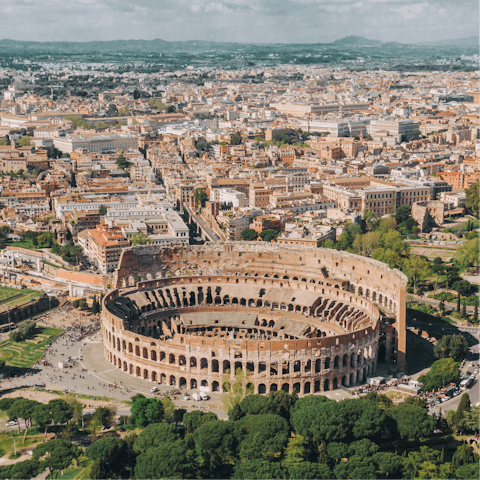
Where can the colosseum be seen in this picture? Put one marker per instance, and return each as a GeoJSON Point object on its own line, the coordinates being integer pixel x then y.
{"type": "Point", "coordinates": [291, 318]}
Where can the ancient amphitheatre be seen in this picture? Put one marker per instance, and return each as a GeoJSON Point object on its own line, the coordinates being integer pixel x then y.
{"type": "Point", "coordinates": [291, 318]}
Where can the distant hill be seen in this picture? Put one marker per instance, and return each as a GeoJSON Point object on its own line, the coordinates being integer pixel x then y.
{"type": "Point", "coordinates": [472, 41]}
{"type": "Point", "coordinates": [195, 46]}
{"type": "Point", "coordinates": [355, 40]}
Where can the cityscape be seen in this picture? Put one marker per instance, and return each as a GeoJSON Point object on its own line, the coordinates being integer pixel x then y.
{"type": "Point", "coordinates": [239, 256]}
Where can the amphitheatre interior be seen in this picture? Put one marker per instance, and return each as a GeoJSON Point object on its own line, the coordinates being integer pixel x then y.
{"type": "Point", "coordinates": [193, 316]}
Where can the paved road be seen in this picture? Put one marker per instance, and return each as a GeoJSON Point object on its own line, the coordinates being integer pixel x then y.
{"type": "Point", "coordinates": [435, 303]}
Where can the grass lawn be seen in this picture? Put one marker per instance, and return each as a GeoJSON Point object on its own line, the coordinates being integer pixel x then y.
{"type": "Point", "coordinates": [24, 244]}
{"type": "Point", "coordinates": [7, 438]}
{"type": "Point", "coordinates": [76, 472]}
{"type": "Point", "coordinates": [12, 296]}
{"type": "Point", "coordinates": [25, 354]}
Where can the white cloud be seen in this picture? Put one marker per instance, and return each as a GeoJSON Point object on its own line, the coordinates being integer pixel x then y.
{"type": "Point", "coordinates": [410, 12]}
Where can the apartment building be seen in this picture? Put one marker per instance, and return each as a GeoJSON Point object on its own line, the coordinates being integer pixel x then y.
{"type": "Point", "coordinates": [103, 247]}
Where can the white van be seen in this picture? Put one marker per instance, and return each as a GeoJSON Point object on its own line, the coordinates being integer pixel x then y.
{"type": "Point", "coordinates": [204, 396]}
{"type": "Point", "coordinates": [196, 397]}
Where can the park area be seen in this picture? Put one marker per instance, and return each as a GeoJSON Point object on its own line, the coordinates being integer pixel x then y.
{"type": "Point", "coordinates": [11, 297]}
{"type": "Point", "coordinates": [28, 352]}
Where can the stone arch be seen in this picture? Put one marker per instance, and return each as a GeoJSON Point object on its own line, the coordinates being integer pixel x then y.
{"type": "Point", "coordinates": [154, 376]}
{"type": "Point", "coordinates": [137, 372]}
{"type": "Point", "coordinates": [226, 366]}
{"type": "Point", "coordinates": [215, 386]}
{"type": "Point", "coordinates": [306, 388]}
{"type": "Point", "coordinates": [137, 350]}
{"type": "Point", "coordinates": [130, 369]}
{"type": "Point", "coordinates": [318, 365]}
{"type": "Point", "coordinates": [193, 362]}
{"type": "Point", "coordinates": [296, 387]}
{"type": "Point", "coordinates": [193, 383]}
{"type": "Point", "coordinates": [326, 385]}
{"type": "Point", "coordinates": [171, 359]}
{"type": "Point", "coordinates": [273, 387]}
{"type": "Point", "coordinates": [327, 363]}
{"type": "Point", "coordinates": [182, 360]}
{"type": "Point", "coordinates": [130, 347]}
{"type": "Point", "coordinates": [125, 367]}
{"type": "Point", "coordinates": [144, 352]}
{"type": "Point", "coordinates": [286, 387]}
{"type": "Point", "coordinates": [336, 362]}
{"type": "Point", "coordinates": [182, 382]}
{"type": "Point", "coordinates": [262, 389]}
{"type": "Point", "coordinates": [204, 383]}
{"type": "Point", "coordinates": [344, 381]}
{"type": "Point", "coordinates": [316, 386]}
{"type": "Point", "coordinates": [153, 355]}
{"type": "Point", "coordinates": [335, 384]}
{"type": "Point", "coordinates": [172, 380]}
{"type": "Point", "coordinates": [345, 361]}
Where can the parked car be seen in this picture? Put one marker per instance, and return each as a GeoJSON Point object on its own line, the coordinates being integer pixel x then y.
{"type": "Point", "coordinates": [186, 396]}
{"type": "Point", "coordinates": [153, 390]}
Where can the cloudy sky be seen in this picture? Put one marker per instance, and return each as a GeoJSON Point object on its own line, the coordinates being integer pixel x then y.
{"type": "Point", "coordinates": [263, 21]}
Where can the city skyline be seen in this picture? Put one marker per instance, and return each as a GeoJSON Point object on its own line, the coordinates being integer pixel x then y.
{"type": "Point", "coordinates": [241, 21]}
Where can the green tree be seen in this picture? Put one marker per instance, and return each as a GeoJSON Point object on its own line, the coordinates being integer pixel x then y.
{"type": "Point", "coordinates": [62, 412]}
{"type": "Point", "coordinates": [153, 435]}
{"type": "Point", "coordinates": [442, 372]}
{"type": "Point", "coordinates": [146, 411]}
{"type": "Point", "coordinates": [140, 239]}
{"type": "Point", "coordinates": [235, 389]}
{"type": "Point", "coordinates": [470, 471]}
{"type": "Point", "coordinates": [269, 235]}
{"type": "Point", "coordinates": [297, 450]}
{"type": "Point", "coordinates": [417, 269]}
{"type": "Point", "coordinates": [167, 461]}
{"type": "Point", "coordinates": [413, 422]}
{"type": "Point", "coordinates": [329, 243]}
{"type": "Point", "coordinates": [467, 254]}
{"type": "Point", "coordinates": [260, 469]}
{"type": "Point", "coordinates": [82, 304]}
{"type": "Point", "coordinates": [99, 470]}
{"type": "Point", "coordinates": [193, 420]}
{"type": "Point", "coordinates": [249, 234]}
{"type": "Point", "coordinates": [475, 311]}
{"type": "Point", "coordinates": [102, 211]}
{"type": "Point", "coordinates": [262, 437]}
{"type": "Point", "coordinates": [453, 346]}
{"type": "Point", "coordinates": [217, 445]}
{"type": "Point", "coordinates": [472, 202]}
{"type": "Point", "coordinates": [111, 451]}
{"type": "Point", "coordinates": [60, 454]}
{"type": "Point", "coordinates": [463, 406]}
{"type": "Point", "coordinates": [236, 139]}
{"type": "Point", "coordinates": [307, 470]}
{"type": "Point", "coordinates": [168, 410]}
{"type": "Point", "coordinates": [389, 465]}
{"type": "Point", "coordinates": [200, 197]}
{"type": "Point", "coordinates": [23, 141]}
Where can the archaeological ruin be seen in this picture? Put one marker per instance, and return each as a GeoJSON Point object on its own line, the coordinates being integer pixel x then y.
{"type": "Point", "coordinates": [292, 318]}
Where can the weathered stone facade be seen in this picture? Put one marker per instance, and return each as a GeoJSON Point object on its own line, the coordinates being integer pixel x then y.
{"type": "Point", "coordinates": [290, 318]}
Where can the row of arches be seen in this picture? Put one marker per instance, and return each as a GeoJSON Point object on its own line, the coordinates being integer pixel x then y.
{"type": "Point", "coordinates": [212, 366]}
{"type": "Point", "coordinates": [301, 387]}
